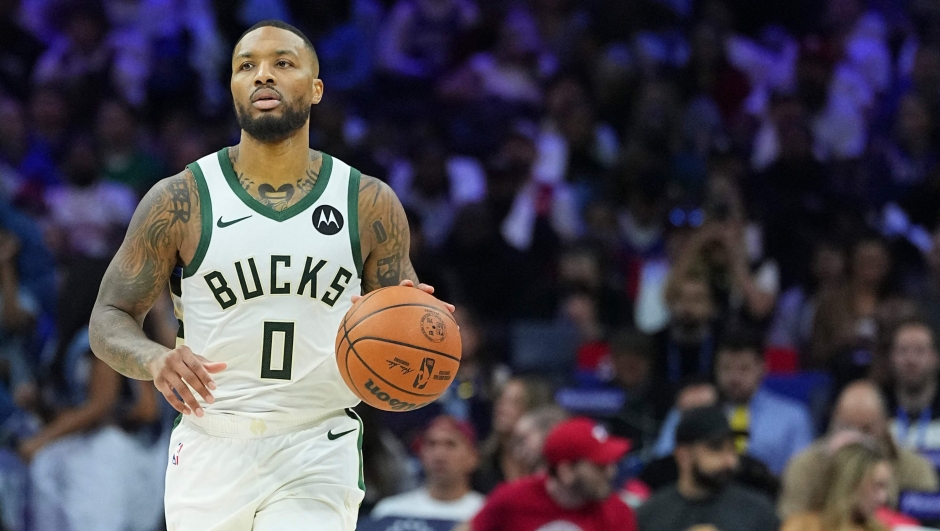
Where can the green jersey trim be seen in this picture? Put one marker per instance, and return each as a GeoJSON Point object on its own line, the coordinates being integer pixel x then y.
{"type": "Point", "coordinates": [362, 479]}
{"type": "Point", "coordinates": [352, 210]}
{"type": "Point", "coordinates": [205, 215]}
{"type": "Point", "coordinates": [322, 180]}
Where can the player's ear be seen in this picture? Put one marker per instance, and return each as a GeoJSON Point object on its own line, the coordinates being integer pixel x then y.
{"type": "Point", "coordinates": [317, 91]}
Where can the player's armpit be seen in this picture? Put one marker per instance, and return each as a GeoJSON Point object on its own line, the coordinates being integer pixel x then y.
{"type": "Point", "coordinates": [138, 274]}
{"type": "Point", "coordinates": [384, 236]}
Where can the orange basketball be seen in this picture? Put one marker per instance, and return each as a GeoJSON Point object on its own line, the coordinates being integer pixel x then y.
{"type": "Point", "coordinates": [398, 348]}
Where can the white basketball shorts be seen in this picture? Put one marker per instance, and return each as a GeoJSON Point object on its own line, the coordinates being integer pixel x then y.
{"type": "Point", "coordinates": [229, 473]}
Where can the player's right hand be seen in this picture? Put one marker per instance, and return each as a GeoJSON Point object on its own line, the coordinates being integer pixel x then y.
{"type": "Point", "coordinates": [179, 367]}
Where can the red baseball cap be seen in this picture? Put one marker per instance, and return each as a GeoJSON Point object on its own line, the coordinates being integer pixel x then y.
{"type": "Point", "coordinates": [580, 439]}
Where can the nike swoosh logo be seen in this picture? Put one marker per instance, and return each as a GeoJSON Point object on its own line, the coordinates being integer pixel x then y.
{"type": "Point", "coordinates": [222, 224]}
{"type": "Point", "coordinates": [333, 436]}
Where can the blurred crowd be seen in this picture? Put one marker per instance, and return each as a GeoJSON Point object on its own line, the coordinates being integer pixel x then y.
{"type": "Point", "coordinates": [703, 234]}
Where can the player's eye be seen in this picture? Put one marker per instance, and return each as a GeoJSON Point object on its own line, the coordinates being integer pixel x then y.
{"type": "Point", "coordinates": [283, 63]}
{"type": "Point", "coordinates": [245, 66]}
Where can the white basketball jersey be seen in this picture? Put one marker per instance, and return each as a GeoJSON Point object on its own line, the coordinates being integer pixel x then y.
{"type": "Point", "coordinates": [266, 292]}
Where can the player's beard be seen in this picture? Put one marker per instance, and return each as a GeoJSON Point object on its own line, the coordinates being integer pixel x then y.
{"type": "Point", "coordinates": [271, 128]}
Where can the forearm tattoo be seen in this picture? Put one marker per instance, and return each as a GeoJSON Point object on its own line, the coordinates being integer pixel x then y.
{"type": "Point", "coordinates": [139, 273]}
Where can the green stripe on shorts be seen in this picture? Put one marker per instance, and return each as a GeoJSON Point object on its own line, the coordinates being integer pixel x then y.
{"type": "Point", "coordinates": [362, 480]}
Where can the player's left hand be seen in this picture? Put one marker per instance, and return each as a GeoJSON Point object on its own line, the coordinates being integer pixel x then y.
{"type": "Point", "coordinates": [423, 287]}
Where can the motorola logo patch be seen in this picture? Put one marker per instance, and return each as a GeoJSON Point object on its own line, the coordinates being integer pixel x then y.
{"type": "Point", "coordinates": [327, 220]}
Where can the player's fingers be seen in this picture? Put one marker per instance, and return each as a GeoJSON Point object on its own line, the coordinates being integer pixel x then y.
{"type": "Point", "coordinates": [407, 283]}
{"type": "Point", "coordinates": [355, 298]}
{"type": "Point", "coordinates": [171, 397]}
{"type": "Point", "coordinates": [185, 394]}
{"type": "Point", "coordinates": [203, 367]}
{"type": "Point", "coordinates": [188, 375]}
{"type": "Point", "coordinates": [427, 288]}
{"type": "Point", "coordinates": [162, 385]}
{"type": "Point", "coordinates": [176, 403]}
{"type": "Point", "coordinates": [214, 367]}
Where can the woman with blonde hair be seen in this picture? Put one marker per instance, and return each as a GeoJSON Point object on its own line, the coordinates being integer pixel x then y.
{"type": "Point", "coordinates": [857, 482]}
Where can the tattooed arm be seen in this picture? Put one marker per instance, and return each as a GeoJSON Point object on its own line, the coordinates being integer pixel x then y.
{"type": "Point", "coordinates": [384, 236]}
{"type": "Point", "coordinates": [164, 227]}
{"type": "Point", "coordinates": [138, 274]}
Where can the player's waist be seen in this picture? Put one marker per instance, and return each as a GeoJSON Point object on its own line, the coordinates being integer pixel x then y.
{"type": "Point", "coordinates": [249, 427]}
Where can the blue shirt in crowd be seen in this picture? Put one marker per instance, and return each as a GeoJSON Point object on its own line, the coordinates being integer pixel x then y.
{"type": "Point", "coordinates": [779, 429]}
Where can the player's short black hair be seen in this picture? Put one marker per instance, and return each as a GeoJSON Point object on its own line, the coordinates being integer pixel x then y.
{"type": "Point", "coordinates": [280, 24]}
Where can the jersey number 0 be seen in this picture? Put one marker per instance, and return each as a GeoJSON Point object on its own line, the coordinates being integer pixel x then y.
{"type": "Point", "coordinates": [287, 353]}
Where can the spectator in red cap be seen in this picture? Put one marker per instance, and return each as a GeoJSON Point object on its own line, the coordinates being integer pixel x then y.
{"type": "Point", "coordinates": [575, 494]}
{"type": "Point", "coordinates": [449, 456]}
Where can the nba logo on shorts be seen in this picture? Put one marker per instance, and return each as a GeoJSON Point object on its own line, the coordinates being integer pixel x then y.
{"type": "Point", "coordinates": [176, 454]}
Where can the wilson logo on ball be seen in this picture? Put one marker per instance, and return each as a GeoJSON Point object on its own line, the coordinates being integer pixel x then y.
{"type": "Point", "coordinates": [432, 326]}
{"type": "Point", "coordinates": [395, 404]}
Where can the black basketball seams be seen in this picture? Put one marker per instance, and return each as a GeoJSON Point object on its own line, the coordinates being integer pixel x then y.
{"type": "Point", "coordinates": [355, 387]}
{"type": "Point", "coordinates": [346, 358]}
{"type": "Point", "coordinates": [377, 375]}
{"type": "Point", "coordinates": [399, 343]}
{"type": "Point", "coordinates": [360, 302]}
{"type": "Point", "coordinates": [418, 304]}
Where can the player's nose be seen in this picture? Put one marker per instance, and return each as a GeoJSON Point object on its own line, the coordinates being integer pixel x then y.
{"type": "Point", "coordinates": [264, 75]}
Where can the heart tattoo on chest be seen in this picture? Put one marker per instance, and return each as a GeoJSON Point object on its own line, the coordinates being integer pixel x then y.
{"type": "Point", "coordinates": [282, 194]}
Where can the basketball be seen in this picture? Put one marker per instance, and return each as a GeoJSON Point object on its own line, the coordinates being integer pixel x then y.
{"type": "Point", "coordinates": [398, 348]}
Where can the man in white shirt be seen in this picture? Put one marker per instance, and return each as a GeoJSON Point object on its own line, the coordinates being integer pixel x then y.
{"type": "Point", "coordinates": [449, 457]}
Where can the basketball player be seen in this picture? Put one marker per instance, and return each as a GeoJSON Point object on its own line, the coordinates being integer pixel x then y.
{"type": "Point", "coordinates": [263, 245]}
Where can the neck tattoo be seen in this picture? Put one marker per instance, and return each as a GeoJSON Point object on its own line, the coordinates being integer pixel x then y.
{"type": "Point", "coordinates": [279, 198]}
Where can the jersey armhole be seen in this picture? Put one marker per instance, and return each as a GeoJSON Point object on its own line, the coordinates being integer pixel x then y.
{"type": "Point", "coordinates": [352, 210]}
{"type": "Point", "coordinates": [205, 219]}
